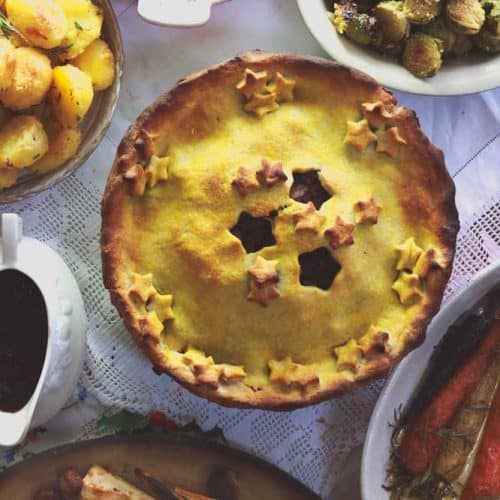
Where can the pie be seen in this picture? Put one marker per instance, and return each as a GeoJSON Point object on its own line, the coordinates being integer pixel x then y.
{"type": "Point", "coordinates": [277, 231]}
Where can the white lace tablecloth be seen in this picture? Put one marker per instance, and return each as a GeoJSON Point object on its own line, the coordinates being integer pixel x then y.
{"type": "Point", "coordinates": [310, 443]}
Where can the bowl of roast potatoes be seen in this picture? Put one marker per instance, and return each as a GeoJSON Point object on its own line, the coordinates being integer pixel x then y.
{"type": "Point", "coordinates": [60, 68]}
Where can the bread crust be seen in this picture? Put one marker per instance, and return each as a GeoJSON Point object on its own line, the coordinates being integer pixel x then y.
{"type": "Point", "coordinates": [136, 145]}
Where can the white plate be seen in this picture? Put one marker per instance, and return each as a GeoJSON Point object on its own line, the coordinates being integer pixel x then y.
{"type": "Point", "coordinates": [404, 379]}
{"type": "Point", "coordinates": [182, 13]}
{"type": "Point", "coordinates": [462, 75]}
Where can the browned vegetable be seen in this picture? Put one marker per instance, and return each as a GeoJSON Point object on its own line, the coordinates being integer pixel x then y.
{"type": "Point", "coordinates": [421, 439]}
{"type": "Point", "coordinates": [461, 436]}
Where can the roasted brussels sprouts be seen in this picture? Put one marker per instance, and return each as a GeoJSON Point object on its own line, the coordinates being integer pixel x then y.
{"type": "Point", "coordinates": [488, 38]}
{"type": "Point", "coordinates": [438, 28]}
{"type": "Point", "coordinates": [465, 16]}
{"type": "Point", "coordinates": [358, 27]}
{"type": "Point", "coordinates": [422, 55]}
{"type": "Point", "coordinates": [461, 45]}
{"type": "Point", "coordinates": [421, 11]}
{"type": "Point", "coordinates": [391, 21]}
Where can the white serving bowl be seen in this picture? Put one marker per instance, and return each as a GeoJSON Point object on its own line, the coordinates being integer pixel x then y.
{"type": "Point", "coordinates": [461, 75]}
{"type": "Point", "coordinates": [404, 380]}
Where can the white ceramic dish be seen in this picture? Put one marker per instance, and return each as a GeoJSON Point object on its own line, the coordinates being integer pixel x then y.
{"type": "Point", "coordinates": [404, 379]}
{"type": "Point", "coordinates": [464, 75]}
{"type": "Point", "coordinates": [181, 13]}
{"type": "Point", "coordinates": [67, 328]}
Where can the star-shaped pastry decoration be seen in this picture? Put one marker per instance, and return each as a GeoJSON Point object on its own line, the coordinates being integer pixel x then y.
{"type": "Point", "coordinates": [286, 372]}
{"type": "Point", "coordinates": [408, 253]}
{"type": "Point", "coordinates": [367, 212]}
{"type": "Point", "coordinates": [142, 286]}
{"type": "Point", "coordinates": [271, 174]}
{"type": "Point", "coordinates": [308, 219]}
{"type": "Point", "coordinates": [245, 181]}
{"type": "Point", "coordinates": [162, 306]}
{"type": "Point", "coordinates": [137, 177]}
{"type": "Point", "coordinates": [283, 87]}
{"type": "Point", "coordinates": [407, 286]}
{"type": "Point", "coordinates": [340, 234]}
{"type": "Point", "coordinates": [261, 104]}
{"type": "Point", "coordinates": [428, 260]}
{"type": "Point", "coordinates": [252, 83]}
{"type": "Point", "coordinates": [389, 141]}
{"type": "Point", "coordinates": [359, 135]}
{"type": "Point", "coordinates": [151, 325]}
{"type": "Point", "coordinates": [203, 367]}
{"type": "Point", "coordinates": [263, 278]}
{"type": "Point", "coordinates": [376, 113]}
{"type": "Point", "coordinates": [348, 356]}
{"type": "Point", "coordinates": [374, 343]}
{"type": "Point", "coordinates": [157, 170]}
{"type": "Point", "coordinates": [232, 373]}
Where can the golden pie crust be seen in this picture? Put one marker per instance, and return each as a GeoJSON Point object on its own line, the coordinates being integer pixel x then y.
{"type": "Point", "coordinates": [239, 327]}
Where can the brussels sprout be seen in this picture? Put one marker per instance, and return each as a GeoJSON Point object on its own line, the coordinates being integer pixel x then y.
{"type": "Point", "coordinates": [465, 16]}
{"type": "Point", "coordinates": [359, 28]}
{"type": "Point", "coordinates": [421, 11]}
{"type": "Point", "coordinates": [438, 28]}
{"type": "Point", "coordinates": [391, 21]}
{"type": "Point", "coordinates": [488, 38]}
{"type": "Point", "coordinates": [461, 45]}
{"type": "Point", "coordinates": [422, 55]}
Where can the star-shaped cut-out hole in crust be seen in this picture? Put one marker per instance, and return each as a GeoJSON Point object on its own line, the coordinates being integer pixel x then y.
{"type": "Point", "coordinates": [367, 211]}
{"type": "Point", "coordinates": [408, 253]}
{"type": "Point", "coordinates": [389, 141]}
{"type": "Point", "coordinates": [254, 232]}
{"type": "Point", "coordinates": [261, 104]}
{"type": "Point", "coordinates": [263, 278]}
{"type": "Point", "coordinates": [283, 87]}
{"type": "Point", "coordinates": [340, 234]}
{"type": "Point", "coordinates": [307, 187]}
{"type": "Point", "coordinates": [252, 82]}
{"type": "Point", "coordinates": [157, 170]}
{"type": "Point", "coordinates": [428, 260]}
{"type": "Point", "coordinates": [245, 181]}
{"type": "Point", "coordinates": [359, 135]}
{"type": "Point", "coordinates": [271, 174]}
{"type": "Point", "coordinates": [318, 268]}
{"type": "Point", "coordinates": [407, 286]}
{"type": "Point", "coordinates": [308, 219]}
{"type": "Point", "coordinates": [137, 178]}
{"type": "Point", "coordinates": [286, 372]}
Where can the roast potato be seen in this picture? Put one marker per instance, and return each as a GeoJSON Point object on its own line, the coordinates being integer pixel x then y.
{"type": "Point", "coordinates": [98, 62]}
{"type": "Point", "coordinates": [22, 141]}
{"type": "Point", "coordinates": [84, 26]}
{"type": "Point", "coordinates": [63, 145]}
{"type": "Point", "coordinates": [42, 22]}
{"type": "Point", "coordinates": [31, 79]}
{"type": "Point", "coordinates": [70, 95]}
{"type": "Point", "coordinates": [7, 63]}
{"type": "Point", "coordinates": [8, 176]}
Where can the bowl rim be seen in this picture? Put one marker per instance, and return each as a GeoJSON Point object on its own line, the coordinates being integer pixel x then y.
{"type": "Point", "coordinates": [384, 69]}
{"type": "Point", "coordinates": [383, 411]}
{"type": "Point", "coordinates": [46, 181]}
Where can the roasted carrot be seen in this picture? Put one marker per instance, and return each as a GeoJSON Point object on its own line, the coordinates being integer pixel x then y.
{"type": "Point", "coordinates": [484, 480]}
{"type": "Point", "coordinates": [422, 436]}
{"type": "Point", "coordinates": [464, 429]}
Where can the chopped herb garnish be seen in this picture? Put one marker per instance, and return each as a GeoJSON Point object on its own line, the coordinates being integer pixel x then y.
{"type": "Point", "coordinates": [78, 26]}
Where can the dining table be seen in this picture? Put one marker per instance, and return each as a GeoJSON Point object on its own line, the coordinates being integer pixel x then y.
{"type": "Point", "coordinates": [117, 391]}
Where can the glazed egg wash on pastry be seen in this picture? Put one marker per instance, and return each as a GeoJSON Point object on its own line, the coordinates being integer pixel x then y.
{"type": "Point", "coordinates": [277, 231]}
